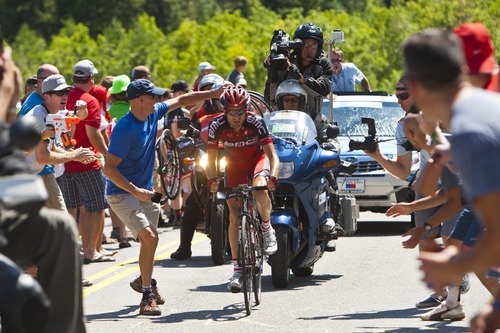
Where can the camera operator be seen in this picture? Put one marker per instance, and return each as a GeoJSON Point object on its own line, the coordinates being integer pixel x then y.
{"type": "Point", "coordinates": [401, 166]}
{"type": "Point", "coordinates": [45, 238]}
{"type": "Point", "coordinates": [305, 63]}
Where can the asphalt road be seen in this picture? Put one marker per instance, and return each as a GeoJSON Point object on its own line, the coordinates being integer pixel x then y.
{"type": "Point", "coordinates": [370, 284]}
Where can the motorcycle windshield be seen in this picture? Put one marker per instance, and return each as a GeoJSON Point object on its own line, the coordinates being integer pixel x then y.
{"type": "Point", "coordinates": [295, 125]}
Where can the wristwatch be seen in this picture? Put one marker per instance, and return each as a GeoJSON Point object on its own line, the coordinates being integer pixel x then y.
{"type": "Point", "coordinates": [427, 226]}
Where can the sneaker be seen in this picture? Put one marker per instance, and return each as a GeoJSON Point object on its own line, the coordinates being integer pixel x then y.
{"type": "Point", "coordinates": [149, 307]}
{"type": "Point", "coordinates": [431, 301]}
{"type": "Point", "coordinates": [181, 253]}
{"type": "Point", "coordinates": [465, 285]}
{"type": "Point", "coordinates": [234, 285]}
{"type": "Point", "coordinates": [270, 244]}
{"type": "Point", "coordinates": [137, 286]}
{"type": "Point", "coordinates": [442, 312]}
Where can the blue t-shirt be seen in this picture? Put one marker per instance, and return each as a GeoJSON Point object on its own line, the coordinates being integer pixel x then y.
{"type": "Point", "coordinates": [133, 141]}
{"type": "Point", "coordinates": [33, 100]}
{"type": "Point", "coordinates": [475, 141]}
{"type": "Point", "coordinates": [347, 79]}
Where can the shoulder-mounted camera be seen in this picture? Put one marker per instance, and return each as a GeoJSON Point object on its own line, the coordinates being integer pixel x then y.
{"type": "Point", "coordinates": [280, 49]}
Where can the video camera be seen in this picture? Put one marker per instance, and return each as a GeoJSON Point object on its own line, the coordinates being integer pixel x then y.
{"type": "Point", "coordinates": [371, 140]}
{"type": "Point", "coordinates": [280, 49]}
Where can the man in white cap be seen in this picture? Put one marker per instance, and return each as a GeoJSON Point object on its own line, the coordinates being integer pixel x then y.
{"type": "Point", "coordinates": [83, 185]}
{"type": "Point", "coordinates": [204, 68]}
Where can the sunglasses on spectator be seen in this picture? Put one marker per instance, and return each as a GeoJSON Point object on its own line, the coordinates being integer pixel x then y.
{"type": "Point", "coordinates": [337, 60]}
{"type": "Point", "coordinates": [403, 96]}
{"type": "Point", "coordinates": [61, 92]}
{"type": "Point", "coordinates": [237, 113]}
{"type": "Point", "coordinates": [290, 99]}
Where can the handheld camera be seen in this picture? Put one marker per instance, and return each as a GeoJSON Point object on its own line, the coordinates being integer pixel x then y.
{"type": "Point", "coordinates": [371, 140]}
{"type": "Point", "coordinates": [280, 49]}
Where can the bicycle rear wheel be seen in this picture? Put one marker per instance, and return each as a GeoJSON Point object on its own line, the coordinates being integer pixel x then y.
{"type": "Point", "coordinates": [246, 263]}
{"type": "Point", "coordinates": [168, 167]}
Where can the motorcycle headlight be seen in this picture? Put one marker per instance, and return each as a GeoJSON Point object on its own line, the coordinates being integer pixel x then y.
{"type": "Point", "coordinates": [222, 164]}
{"type": "Point", "coordinates": [203, 162]}
{"type": "Point", "coordinates": [286, 170]}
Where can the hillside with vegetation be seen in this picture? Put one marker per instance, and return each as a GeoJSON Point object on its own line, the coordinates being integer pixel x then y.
{"type": "Point", "coordinates": [172, 37]}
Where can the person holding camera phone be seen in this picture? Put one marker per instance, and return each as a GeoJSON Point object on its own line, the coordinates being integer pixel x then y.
{"type": "Point", "coordinates": [302, 59]}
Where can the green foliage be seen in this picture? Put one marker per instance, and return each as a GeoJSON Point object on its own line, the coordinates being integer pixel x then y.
{"type": "Point", "coordinates": [171, 37]}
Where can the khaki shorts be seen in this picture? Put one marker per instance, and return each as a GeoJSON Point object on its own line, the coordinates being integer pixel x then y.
{"type": "Point", "coordinates": [135, 214]}
{"type": "Point", "coordinates": [55, 199]}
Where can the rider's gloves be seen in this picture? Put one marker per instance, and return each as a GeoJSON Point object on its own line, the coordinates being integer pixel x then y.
{"type": "Point", "coordinates": [211, 181]}
{"type": "Point", "coordinates": [274, 180]}
{"type": "Point", "coordinates": [294, 72]}
{"type": "Point", "coordinates": [328, 146]}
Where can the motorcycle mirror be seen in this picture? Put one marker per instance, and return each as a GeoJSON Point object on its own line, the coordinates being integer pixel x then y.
{"type": "Point", "coordinates": [183, 123]}
{"type": "Point", "coordinates": [332, 131]}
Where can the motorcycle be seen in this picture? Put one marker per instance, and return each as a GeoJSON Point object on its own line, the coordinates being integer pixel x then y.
{"type": "Point", "coordinates": [302, 216]}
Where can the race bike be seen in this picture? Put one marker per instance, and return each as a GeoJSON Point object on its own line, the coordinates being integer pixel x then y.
{"type": "Point", "coordinates": [302, 216]}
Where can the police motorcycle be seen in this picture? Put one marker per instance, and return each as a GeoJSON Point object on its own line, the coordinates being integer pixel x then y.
{"type": "Point", "coordinates": [302, 216]}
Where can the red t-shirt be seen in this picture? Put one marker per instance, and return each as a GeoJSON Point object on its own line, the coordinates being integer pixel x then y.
{"type": "Point", "coordinates": [244, 146]}
{"type": "Point", "coordinates": [80, 135]}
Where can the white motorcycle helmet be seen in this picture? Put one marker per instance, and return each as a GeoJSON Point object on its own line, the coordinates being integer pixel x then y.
{"type": "Point", "coordinates": [294, 88]}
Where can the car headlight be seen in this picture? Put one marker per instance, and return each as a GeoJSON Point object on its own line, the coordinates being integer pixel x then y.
{"type": "Point", "coordinates": [286, 170]}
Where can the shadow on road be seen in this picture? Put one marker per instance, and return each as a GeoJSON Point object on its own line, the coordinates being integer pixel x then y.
{"type": "Point", "coordinates": [298, 283]}
{"type": "Point", "coordinates": [228, 313]}
{"type": "Point", "coordinates": [381, 229]}
{"type": "Point", "coordinates": [194, 261]}
{"type": "Point", "coordinates": [392, 314]}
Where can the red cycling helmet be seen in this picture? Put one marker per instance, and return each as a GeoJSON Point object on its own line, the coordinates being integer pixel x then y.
{"type": "Point", "coordinates": [234, 98]}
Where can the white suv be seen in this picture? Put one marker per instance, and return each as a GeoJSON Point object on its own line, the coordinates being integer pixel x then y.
{"type": "Point", "coordinates": [374, 188]}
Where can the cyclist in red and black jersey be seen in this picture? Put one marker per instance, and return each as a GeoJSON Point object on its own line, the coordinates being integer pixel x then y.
{"type": "Point", "coordinates": [249, 154]}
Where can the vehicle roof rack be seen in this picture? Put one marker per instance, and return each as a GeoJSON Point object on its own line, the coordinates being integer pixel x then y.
{"type": "Point", "coordinates": [361, 93]}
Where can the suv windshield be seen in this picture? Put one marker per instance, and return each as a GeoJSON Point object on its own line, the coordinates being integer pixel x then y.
{"type": "Point", "coordinates": [348, 116]}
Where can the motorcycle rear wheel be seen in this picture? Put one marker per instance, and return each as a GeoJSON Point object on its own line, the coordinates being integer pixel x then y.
{"type": "Point", "coordinates": [280, 261]}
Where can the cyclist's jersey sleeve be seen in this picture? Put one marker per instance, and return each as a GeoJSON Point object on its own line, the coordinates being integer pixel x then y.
{"type": "Point", "coordinates": [242, 146]}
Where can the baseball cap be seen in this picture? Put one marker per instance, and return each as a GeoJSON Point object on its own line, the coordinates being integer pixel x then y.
{"type": "Point", "coordinates": [204, 66]}
{"type": "Point", "coordinates": [55, 82]}
{"type": "Point", "coordinates": [120, 84]}
{"type": "Point", "coordinates": [478, 47]}
{"type": "Point", "coordinates": [84, 68]}
{"type": "Point", "coordinates": [180, 85]}
{"type": "Point", "coordinates": [140, 72]}
{"type": "Point", "coordinates": [32, 80]}
{"type": "Point", "coordinates": [142, 87]}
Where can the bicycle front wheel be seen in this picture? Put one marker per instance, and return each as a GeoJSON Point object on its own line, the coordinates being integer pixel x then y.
{"type": "Point", "coordinates": [246, 262]}
{"type": "Point", "coordinates": [259, 263]}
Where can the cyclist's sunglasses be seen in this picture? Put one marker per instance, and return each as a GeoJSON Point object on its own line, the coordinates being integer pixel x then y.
{"type": "Point", "coordinates": [237, 113]}
{"type": "Point", "coordinates": [403, 96]}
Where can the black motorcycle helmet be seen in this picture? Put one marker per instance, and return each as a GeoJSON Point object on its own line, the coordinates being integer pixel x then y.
{"type": "Point", "coordinates": [310, 30]}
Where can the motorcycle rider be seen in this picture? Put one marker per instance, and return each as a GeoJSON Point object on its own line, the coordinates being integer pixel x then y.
{"type": "Point", "coordinates": [249, 153]}
{"type": "Point", "coordinates": [291, 95]}
{"type": "Point", "coordinates": [308, 65]}
{"type": "Point", "coordinates": [200, 121]}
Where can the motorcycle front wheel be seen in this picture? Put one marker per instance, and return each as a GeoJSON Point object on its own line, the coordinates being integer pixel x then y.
{"type": "Point", "coordinates": [280, 261]}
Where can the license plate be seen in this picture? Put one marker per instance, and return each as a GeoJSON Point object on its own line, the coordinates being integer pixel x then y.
{"type": "Point", "coordinates": [351, 185]}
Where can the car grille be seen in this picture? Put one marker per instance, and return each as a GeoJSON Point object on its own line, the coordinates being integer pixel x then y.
{"type": "Point", "coordinates": [368, 166]}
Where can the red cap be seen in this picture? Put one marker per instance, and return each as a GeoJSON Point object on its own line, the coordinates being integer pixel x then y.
{"type": "Point", "coordinates": [478, 47]}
